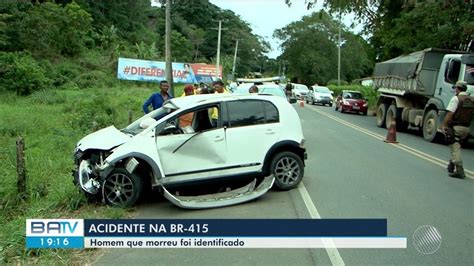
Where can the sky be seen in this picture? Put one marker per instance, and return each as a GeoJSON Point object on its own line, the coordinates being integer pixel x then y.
{"type": "Point", "coordinates": [265, 16]}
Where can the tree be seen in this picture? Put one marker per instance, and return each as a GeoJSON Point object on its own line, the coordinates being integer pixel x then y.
{"type": "Point", "coordinates": [391, 24]}
{"type": "Point", "coordinates": [310, 48]}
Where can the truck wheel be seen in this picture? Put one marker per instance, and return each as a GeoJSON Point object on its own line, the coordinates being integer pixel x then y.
{"type": "Point", "coordinates": [392, 115]}
{"type": "Point", "coordinates": [381, 114]}
{"type": "Point", "coordinates": [430, 126]}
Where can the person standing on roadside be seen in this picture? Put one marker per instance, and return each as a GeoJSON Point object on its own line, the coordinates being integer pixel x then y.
{"type": "Point", "coordinates": [188, 90]}
{"type": "Point", "coordinates": [157, 99]}
{"type": "Point", "coordinates": [187, 119]}
{"type": "Point", "coordinates": [218, 88]}
{"type": "Point", "coordinates": [456, 126]}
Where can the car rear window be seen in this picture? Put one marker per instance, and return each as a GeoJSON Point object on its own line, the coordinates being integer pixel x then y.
{"type": "Point", "coordinates": [251, 112]}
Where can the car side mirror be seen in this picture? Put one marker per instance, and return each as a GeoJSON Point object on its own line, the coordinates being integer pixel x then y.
{"type": "Point", "coordinates": [332, 93]}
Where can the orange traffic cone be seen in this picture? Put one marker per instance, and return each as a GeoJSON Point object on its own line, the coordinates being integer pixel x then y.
{"type": "Point", "coordinates": [392, 133]}
{"type": "Point", "coordinates": [301, 102]}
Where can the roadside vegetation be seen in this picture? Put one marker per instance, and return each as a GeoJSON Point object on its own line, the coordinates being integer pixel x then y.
{"type": "Point", "coordinates": [51, 122]}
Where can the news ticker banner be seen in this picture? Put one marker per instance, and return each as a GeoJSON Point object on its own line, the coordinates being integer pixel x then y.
{"type": "Point", "coordinates": [154, 71]}
{"type": "Point", "coordinates": [210, 233]}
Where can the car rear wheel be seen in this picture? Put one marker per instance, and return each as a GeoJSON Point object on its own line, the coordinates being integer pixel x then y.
{"type": "Point", "coordinates": [288, 170]}
{"type": "Point", "coordinates": [122, 189]}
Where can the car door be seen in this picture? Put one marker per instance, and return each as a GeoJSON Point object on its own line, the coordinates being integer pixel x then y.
{"type": "Point", "coordinates": [193, 153]}
{"type": "Point", "coordinates": [252, 128]}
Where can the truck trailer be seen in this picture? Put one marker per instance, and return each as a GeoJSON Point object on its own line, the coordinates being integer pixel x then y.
{"type": "Point", "coordinates": [415, 89]}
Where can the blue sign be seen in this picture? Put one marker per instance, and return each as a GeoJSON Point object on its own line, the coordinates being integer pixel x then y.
{"type": "Point", "coordinates": [153, 71]}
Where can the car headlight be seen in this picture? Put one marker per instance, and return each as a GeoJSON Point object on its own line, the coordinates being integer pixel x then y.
{"type": "Point", "coordinates": [78, 154]}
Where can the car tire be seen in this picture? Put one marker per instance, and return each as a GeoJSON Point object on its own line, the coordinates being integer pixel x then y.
{"type": "Point", "coordinates": [381, 114]}
{"type": "Point", "coordinates": [122, 189]}
{"type": "Point", "coordinates": [364, 113]}
{"type": "Point", "coordinates": [330, 105]}
{"type": "Point", "coordinates": [288, 170]}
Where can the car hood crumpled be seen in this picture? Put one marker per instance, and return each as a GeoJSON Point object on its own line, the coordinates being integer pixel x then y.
{"type": "Point", "coordinates": [104, 139]}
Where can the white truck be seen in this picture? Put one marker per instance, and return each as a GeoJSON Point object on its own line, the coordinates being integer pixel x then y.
{"type": "Point", "coordinates": [415, 89]}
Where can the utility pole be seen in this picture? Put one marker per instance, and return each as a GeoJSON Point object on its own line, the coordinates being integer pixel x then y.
{"type": "Point", "coordinates": [339, 52]}
{"type": "Point", "coordinates": [235, 58]}
{"type": "Point", "coordinates": [218, 49]}
{"type": "Point", "coordinates": [169, 66]}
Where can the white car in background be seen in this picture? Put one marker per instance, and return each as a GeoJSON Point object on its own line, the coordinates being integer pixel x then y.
{"type": "Point", "coordinates": [321, 95]}
{"type": "Point", "coordinates": [300, 90]}
{"type": "Point", "coordinates": [265, 88]}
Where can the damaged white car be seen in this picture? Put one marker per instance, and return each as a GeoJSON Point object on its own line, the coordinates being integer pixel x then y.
{"type": "Point", "coordinates": [201, 151]}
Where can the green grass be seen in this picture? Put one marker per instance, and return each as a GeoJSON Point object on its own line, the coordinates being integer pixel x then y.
{"type": "Point", "coordinates": [51, 122]}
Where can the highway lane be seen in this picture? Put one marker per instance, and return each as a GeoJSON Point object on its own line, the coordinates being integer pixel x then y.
{"type": "Point", "coordinates": [350, 173]}
{"type": "Point", "coordinates": [354, 174]}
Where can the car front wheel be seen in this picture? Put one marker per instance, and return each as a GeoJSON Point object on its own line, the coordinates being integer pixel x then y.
{"type": "Point", "coordinates": [288, 170]}
{"type": "Point", "coordinates": [122, 189]}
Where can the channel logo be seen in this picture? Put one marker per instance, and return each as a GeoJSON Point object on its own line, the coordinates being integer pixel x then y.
{"type": "Point", "coordinates": [54, 227]}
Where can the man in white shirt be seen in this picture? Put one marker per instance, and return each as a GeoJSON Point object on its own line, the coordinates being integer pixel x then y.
{"type": "Point", "coordinates": [460, 112]}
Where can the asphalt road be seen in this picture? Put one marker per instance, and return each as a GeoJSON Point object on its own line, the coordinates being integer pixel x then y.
{"type": "Point", "coordinates": [350, 173]}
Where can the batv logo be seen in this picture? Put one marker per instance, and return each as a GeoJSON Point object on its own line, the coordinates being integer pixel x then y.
{"type": "Point", "coordinates": [54, 227]}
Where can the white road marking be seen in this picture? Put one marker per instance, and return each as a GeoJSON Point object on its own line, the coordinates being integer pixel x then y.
{"type": "Point", "coordinates": [331, 250]}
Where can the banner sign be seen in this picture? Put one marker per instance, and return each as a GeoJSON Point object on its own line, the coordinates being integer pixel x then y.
{"type": "Point", "coordinates": [210, 233]}
{"type": "Point", "coordinates": [154, 71]}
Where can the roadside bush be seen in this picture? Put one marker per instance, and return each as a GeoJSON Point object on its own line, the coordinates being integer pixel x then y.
{"type": "Point", "coordinates": [65, 72]}
{"type": "Point", "coordinates": [21, 73]}
{"type": "Point", "coordinates": [334, 82]}
{"type": "Point", "coordinates": [47, 97]}
{"type": "Point", "coordinates": [97, 110]}
{"type": "Point", "coordinates": [94, 78]}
